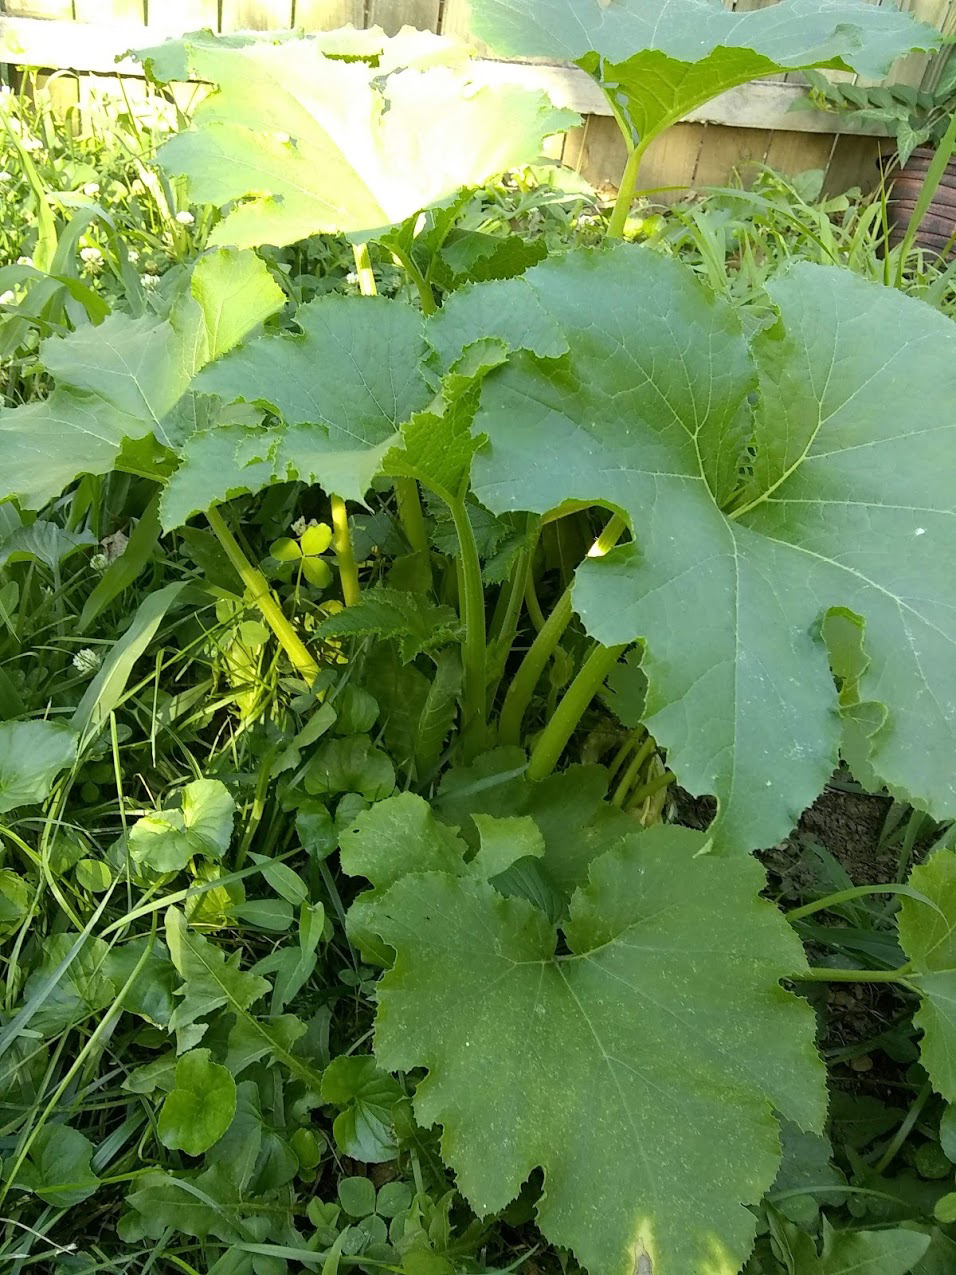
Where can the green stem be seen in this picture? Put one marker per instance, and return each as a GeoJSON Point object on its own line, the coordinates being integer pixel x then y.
{"type": "Point", "coordinates": [553, 739]}
{"type": "Point", "coordinates": [634, 740]}
{"type": "Point", "coordinates": [820, 974]}
{"type": "Point", "coordinates": [844, 896]}
{"type": "Point", "coordinates": [363, 268]}
{"type": "Point", "coordinates": [263, 597]}
{"type": "Point", "coordinates": [410, 513]}
{"type": "Point", "coordinates": [650, 788]}
{"type": "Point", "coordinates": [344, 554]}
{"type": "Point", "coordinates": [632, 772]}
{"type": "Point", "coordinates": [407, 494]}
{"type": "Point", "coordinates": [625, 196]}
{"type": "Point", "coordinates": [905, 1129]}
{"type": "Point", "coordinates": [526, 679]}
{"type": "Point", "coordinates": [423, 287]}
{"type": "Point", "coordinates": [473, 618]}
{"type": "Point", "coordinates": [535, 613]}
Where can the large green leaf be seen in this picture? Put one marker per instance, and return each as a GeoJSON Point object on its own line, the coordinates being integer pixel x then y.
{"type": "Point", "coordinates": [32, 754]}
{"type": "Point", "coordinates": [850, 505]}
{"type": "Point", "coordinates": [58, 1168]}
{"type": "Point", "coordinates": [341, 388]}
{"type": "Point", "coordinates": [130, 378]}
{"type": "Point", "coordinates": [321, 144]}
{"type": "Point", "coordinates": [658, 59]}
{"type": "Point", "coordinates": [640, 1069]}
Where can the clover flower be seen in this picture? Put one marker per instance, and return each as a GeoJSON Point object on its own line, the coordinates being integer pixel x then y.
{"type": "Point", "coordinates": [87, 662]}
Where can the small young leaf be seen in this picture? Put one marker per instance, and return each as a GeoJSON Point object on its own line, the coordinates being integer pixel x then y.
{"type": "Point", "coordinates": [200, 1109]}
{"type": "Point", "coordinates": [350, 764]}
{"type": "Point", "coordinates": [416, 623]}
{"type": "Point", "coordinates": [167, 840]}
{"type": "Point", "coordinates": [364, 1129]}
{"type": "Point", "coordinates": [57, 1168]}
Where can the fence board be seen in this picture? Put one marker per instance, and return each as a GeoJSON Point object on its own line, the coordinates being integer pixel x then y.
{"type": "Point", "coordinates": [109, 10]}
{"type": "Point", "coordinates": [326, 15]}
{"type": "Point", "coordinates": [392, 15]}
{"type": "Point", "coordinates": [724, 150]}
{"type": "Point", "coordinates": [256, 15]}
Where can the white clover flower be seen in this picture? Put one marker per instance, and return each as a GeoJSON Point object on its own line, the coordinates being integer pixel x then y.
{"type": "Point", "coordinates": [31, 144]}
{"type": "Point", "coordinates": [99, 562]}
{"type": "Point", "coordinates": [149, 281]}
{"type": "Point", "coordinates": [299, 527]}
{"type": "Point", "coordinates": [185, 218]}
{"type": "Point", "coordinates": [133, 255]}
{"type": "Point", "coordinates": [91, 189]}
{"type": "Point", "coordinates": [92, 258]}
{"type": "Point", "coordinates": [352, 279]}
{"type": "Point", "coordinates": [5, 177]}
{"type": "Point", "coordinates": [24, 261]}
{"type": "Point", "coordinates": [7, 298]}
{"type": "Point", "coordinates": [87, 662]}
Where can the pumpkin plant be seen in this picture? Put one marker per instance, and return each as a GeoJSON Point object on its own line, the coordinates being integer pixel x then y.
{"type": "Point", "coordinates": [773, 586]}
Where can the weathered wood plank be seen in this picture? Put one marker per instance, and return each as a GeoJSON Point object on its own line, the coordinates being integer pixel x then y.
{"type": "Point", "coordinates": [256, 15]}
{"type": "Point", "coordinates": [726, 150]}
{"type": "Point", "coordinates": [854, 163]}
{"type": "Point", "coordinates": [392, 15]}
{"type": "Point", "coordinates": [92, 47]}
{"type": "Point", "coordinates": [795, 153]}
{"type": "Point", "coordinates": [326, 15]}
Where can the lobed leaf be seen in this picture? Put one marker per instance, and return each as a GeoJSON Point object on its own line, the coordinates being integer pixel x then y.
{"type": "Point", "coordinates": [129, 379]}
{"type": "Point", "coordinates": [665, 1023]}
{"type": "Point", "coordinates": [732, 573]}
{"type": "Point", "coordinates": [658, 59]}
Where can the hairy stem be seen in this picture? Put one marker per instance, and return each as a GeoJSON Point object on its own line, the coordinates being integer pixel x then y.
{"type": "Point", "coordinates": [263, 597]}
{"type": "Point", "coordinates": [526, 679]}
{"type": "Point", "coordinates": [574, 704]}
{"type": "Point", "coordinates": [820, 974]}
{"type": "Point", "coordinates": [625, 196]}
{"type": "Point", "coordinates": [344, 554]}
{"type": "Point", "coordinates": [473, 618]}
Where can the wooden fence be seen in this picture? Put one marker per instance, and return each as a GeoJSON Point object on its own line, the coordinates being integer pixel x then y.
{"type": "Point", "coordinates": [753, 124]}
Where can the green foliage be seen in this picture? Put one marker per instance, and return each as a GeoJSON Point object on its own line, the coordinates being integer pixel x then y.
{"type": "Point", "coordinates": [201, 1107]}
{"type": "Point", "coordinates": [315, 746]}
{"type": "Point", "coordinates": [400, 128]}
{"type": "Point", "coordinates": [202, 825]}
{"type": "Point", "coordinates": [634, 936]}
{"type": "Point", "coordinates": [32, 754]}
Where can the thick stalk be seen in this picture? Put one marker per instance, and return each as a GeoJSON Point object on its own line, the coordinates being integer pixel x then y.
{"type": "Point", "coordinates": [625, 196]}
{"type": "Point", "coordinates": [406, 489]}
{"type": "Point", "coordinates": [473, 618]}
{"type": "Point", "coordinates": [526, 679]}
{"type": "Point", "coordinates": [553, 739]}
{"type": "Point", "coordinates": [263, 597]}
{"type": "Point", "coordinates": [344, 554]}
{"type": "Point", "coordinates": [846, 896]}
{"type": "Point", "coordinates": [423, 287]}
